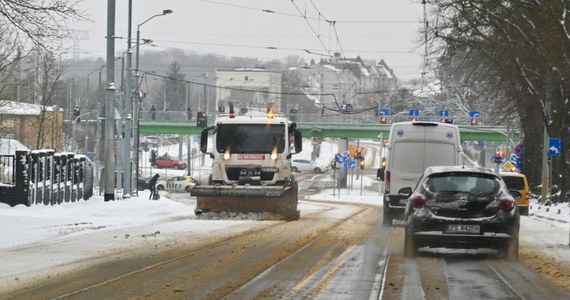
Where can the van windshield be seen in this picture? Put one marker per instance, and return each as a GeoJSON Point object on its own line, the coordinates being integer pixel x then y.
{"type": "Point", "coordinates": [414, 157]}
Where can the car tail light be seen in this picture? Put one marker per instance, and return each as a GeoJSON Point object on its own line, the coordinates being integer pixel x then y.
{"type": "Point", "coordinates": [506, 204]}
{"type": "Point", "coordinates": [417, 201]}
{"type": "Point", "coordinates": [387, 183]}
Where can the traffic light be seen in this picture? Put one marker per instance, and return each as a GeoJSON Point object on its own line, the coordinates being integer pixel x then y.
{"type": "Point", "coordinates": [446, 120]}
{"type": "Point", "coordinates": [76, 113]}
{"type": "Point", "coordinates": [383, 120]}
{"type": "Point", "coordinates": [202, 120]}
{"type": "Point", "coordinates": [358, 153]}
{"type": "Point", "coordinates": [362, 163]}
{"type": "Point", "coordinates": [152, 156]}
{"type": "Point", "coordinates": [414, 119]}
{"type": "Point", "coordinates": [498, 158]}
{"type": "Point", "coordinates": [474, 121]}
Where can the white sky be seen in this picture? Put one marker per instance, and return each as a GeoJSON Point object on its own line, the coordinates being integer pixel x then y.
{"type": "Point", "coordinates": [379, 29]}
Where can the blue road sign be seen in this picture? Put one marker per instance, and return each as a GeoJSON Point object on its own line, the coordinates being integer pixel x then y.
{"type": "Point", "coordinates": [338, 158]}
{"type": "Point", "coordinates": [554, 146]}
{"type": "Point", "coordinates": [414, 112]}
{"type": "Point", "coordinates": [518, 150]}
{"type": "Point", "coordinates": [342, 157]}
{"type": "Point", "coordinates": [443, 113]}
{"type": "Point", "coordinates": [352, 163]}
{"type": "Point", "coordinates": [474, 114]}
{"type": "Point", "coordinates": [384, 112]}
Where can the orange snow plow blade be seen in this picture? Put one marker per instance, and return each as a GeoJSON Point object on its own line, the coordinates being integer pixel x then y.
{"type": "Point", "coordinates": [275, 199]}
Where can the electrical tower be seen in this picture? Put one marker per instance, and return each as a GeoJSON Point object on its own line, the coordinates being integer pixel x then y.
{"type": "Point", "coordinates": [78, 35]}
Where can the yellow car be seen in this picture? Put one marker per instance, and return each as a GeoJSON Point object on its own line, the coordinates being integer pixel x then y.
{"type": "Point", "coordinates": [517, 181]}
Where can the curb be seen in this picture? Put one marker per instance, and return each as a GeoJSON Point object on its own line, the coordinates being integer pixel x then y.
{"type": "Point", "coordinates": [549, 218]}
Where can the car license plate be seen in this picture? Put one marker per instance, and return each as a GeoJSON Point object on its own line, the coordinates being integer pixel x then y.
{"type": "Point", "coordinates": [462, 228]}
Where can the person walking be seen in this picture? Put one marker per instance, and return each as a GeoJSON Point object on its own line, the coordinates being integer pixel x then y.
{"type": "Point", "coordinates": [152, 186]}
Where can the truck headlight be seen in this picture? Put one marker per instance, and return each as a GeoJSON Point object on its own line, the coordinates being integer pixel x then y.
{"type": "Point", "coordinates": [226, 155]}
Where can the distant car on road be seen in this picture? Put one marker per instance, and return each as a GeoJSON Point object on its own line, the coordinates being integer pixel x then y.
{"type": "Point", "coordinates": [518, 182]}
{"type": "Point", "coordinates": [165, 161]}
{"type": "Point", "coordinates": [142, 185]}
{"type": "Point", "coordinates": [461, 207]}
{"type": "Point", "coordinates": [177, 184]}
{"type": "Point", "coordinates": [305, 165]}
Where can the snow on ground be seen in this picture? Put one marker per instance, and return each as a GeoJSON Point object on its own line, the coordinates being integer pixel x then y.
{"type": "Point", "coordinates": [34, 240]}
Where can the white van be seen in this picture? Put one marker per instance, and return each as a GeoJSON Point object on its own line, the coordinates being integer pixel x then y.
{"type": "Point", "coordinates": [412, 147]}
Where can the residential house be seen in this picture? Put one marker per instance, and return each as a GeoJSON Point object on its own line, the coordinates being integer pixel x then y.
{"type": "Point", "coordinates": [34, 126]}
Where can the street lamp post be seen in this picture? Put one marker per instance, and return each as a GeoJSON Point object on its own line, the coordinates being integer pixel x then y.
{"type": "Point", "coordinates": [139, 96]}
{"type": "Point", "coordinates": [219, 96]}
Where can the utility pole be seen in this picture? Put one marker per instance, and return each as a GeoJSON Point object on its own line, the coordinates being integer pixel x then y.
{"type": "Point", "coordinates": [109, 163]}
{"type": "Point", "coordinates": [127, 161]}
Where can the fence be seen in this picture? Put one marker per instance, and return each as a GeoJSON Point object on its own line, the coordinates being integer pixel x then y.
{"type": "Point", "coordinates": [42, 176]}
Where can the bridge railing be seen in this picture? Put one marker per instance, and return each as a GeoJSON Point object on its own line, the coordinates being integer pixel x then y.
{"type": "Point", "coordinates": [328, 117]}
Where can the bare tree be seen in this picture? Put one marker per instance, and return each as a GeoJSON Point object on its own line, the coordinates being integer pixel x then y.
{"type": "Point", "coordinates": [516, 54]}
{"type": "Point", "coordinates": [51, 70]}
{"type": "Point", "coordinates": [39, 20]}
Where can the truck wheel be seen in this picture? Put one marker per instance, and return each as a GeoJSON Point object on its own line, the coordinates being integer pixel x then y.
{"type": "Point", "coordinates": [180, 167]}
{"type": "Point", "coordinates": [387, 220]}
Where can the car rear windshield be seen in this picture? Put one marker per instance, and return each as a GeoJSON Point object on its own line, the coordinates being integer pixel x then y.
{"type": "Point", "coordinates": [473, 183]}
{"type": "Point", "coordinates": [514, 183]}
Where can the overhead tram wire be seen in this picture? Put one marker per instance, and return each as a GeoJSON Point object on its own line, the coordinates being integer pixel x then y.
{"type": "Point", "coordinates": [318, 36]}
{"type": "Point", "coordinates": [147, 74]}
{"type": "Point", "coordinates": [257, 9]}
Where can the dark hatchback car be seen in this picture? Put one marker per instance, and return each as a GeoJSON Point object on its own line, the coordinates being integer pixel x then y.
{"type": "Point", "coordinates": [461, 207]}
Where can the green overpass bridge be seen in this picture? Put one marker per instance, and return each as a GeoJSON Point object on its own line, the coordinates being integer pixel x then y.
{"type": "Point", "coordinates": [331, 130]}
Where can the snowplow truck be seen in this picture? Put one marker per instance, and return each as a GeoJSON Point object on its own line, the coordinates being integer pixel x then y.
{"type": "Point", "coordinates": [251, 166]}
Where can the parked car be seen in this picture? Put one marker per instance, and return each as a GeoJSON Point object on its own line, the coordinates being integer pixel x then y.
{"type": "Point", "coordinates": [518, 182]}
{"type": "Point", "coordinates": [142, 185]}
{"type": "Point", "coordinates": [165, 161]}
{"type": "Point", "coordinates": [177, 184]}
{"type": "Point", "coordinates": [461, 207]}
{"type": "Point", "coordinates": [305, 165]}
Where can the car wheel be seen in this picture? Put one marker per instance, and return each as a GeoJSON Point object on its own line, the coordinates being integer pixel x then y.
{"type": "Point", "coordinates": [387, 220]}
{"type": "Point", "coordinates": [160, 187]}
{"type": "Point", "coordinates": [511, 250]}
{"type": "Point", "coordinates": [155, 166]}
{"type": "Point", "coordinates": [317, 170]}
{"type": "Point", "coordinates": [410, 249]}
{"type": "Point", "coordinates": [294, 170]}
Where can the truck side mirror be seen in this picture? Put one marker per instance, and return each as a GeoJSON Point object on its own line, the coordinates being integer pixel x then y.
{"type": "Point", "coordinates": [204, 141]}
{"type": "Point", "coordinates": [298, 141]}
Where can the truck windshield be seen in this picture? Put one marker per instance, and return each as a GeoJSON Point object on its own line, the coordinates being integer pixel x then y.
{"type": "Point", "coordinates": [250, 138]}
